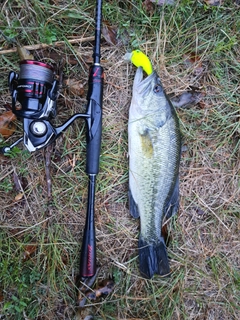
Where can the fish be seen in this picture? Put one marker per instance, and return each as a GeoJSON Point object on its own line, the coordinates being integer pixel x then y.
{"type": "Point", "coordinates": [154, 150]}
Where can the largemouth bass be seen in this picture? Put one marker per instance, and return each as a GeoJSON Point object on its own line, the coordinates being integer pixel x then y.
{"type": "Point", "coordinates": [154, 155]}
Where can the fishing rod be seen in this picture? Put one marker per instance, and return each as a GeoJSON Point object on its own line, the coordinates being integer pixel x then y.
{"type": "Point", "coordinates": [94, 108]}
{"type": "Point", "coordinates": [36, 89]}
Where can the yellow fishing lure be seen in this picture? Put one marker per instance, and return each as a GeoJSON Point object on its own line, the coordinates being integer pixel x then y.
{"type": "Point", "coordinates": [139, 59]}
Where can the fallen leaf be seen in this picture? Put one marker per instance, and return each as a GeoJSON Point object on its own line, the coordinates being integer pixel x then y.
{"type": "Point", "coordinates": [29, 250]}
{"type": "Point", "coordinates": [104, 288]}
{"type": "Point", "coordinates": [202, 104]}
{"type": "Point", "coordinates": [65, 258]}
{"type": "Point", "coordinates": [192, 58]}
{"type": "Point", "coordinates": [19, 197]}
{"type": "Point", "coordinates": [166, 234]}
{"type": "Point", "coordinates": [109, 33]}
{"type": "Point", "coordinates": [74, 87]}
{"type": "Point", "coordinates": [187, 98]}
{"type": "Point", "coordinates": [148, 5]}
{"type": "Point", "coordinates": [194, 61]}
{"type": "Point", "coordinates": [112, 36]}
{"type": "Point", "coordinates": [199, 211]}
{"type": "Point", "coordinates": [7, 127]}
{"type": "Point", "coordinates": [20, 182]}
{"type": "Point", "coordinates": [24, 54]}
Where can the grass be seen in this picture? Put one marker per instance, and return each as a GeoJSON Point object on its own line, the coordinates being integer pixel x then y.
{"type": "Point", "coordinates": [40, 242]}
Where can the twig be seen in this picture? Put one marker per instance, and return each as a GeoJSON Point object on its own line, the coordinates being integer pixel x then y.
{"type": "Point", "coordinates": [48, 153]}
{"type": "Point", "coordinates": [205, 204]}
{"type": "Point", "coordinates": [60, 68]}
{"type": "Point", "coordinates": [7, 174]}
{"type": "Point", "coordinates": [45, 45]}
{"type": "Point", "coordinates": [21, 189]}
{"type": "Point", "coordinates": [29, 228]}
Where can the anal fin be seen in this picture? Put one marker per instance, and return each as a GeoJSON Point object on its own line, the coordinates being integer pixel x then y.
{"type": "Point", "coordinates": [172, 205]}
{"type": "Point", "coordinates": [133, 207]}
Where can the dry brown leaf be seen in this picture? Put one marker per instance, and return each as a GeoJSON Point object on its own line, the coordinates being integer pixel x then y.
{"type": "Point", "coordinates": [187, 98]}
{"type": "Point", "coordinates": [7, 127]}
{"type": "Point", "coordinates": [202, 104]}
{"type": "Point", "coordinates": [20, 182]}
{"type": "Point", "coordinates": [148, 5]}
{"type": "Point", "coordinates": [19, 196]}
{"type": "Point", "coordinates": [74, 87]}
{"type": "Point", "coordinates": [104, 288]}
{"type": "Point", "coordinates": [65, 258]}
{"type": "Point", "coordinates": [166, 234]}
{"type": "Point", "coordinates": [29, 250]}
{"type": "Point", "coordinates": [193, 60]}
{"type": "Point", "coordinates": [24, 54]}
{"type": "Point", "coordinates": [109, 33]}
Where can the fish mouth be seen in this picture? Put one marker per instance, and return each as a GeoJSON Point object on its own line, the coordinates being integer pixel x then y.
{"type": "Point", "coordinates": [143, 86]}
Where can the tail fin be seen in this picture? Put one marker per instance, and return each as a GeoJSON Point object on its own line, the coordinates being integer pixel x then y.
{"type": "Point", "coordinates": [153, 258]}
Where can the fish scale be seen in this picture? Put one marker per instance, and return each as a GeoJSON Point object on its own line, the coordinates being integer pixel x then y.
{"type": "Point", "coordinates": [154, 156]}
{"type": "Point", "coordinates": [151, 230]}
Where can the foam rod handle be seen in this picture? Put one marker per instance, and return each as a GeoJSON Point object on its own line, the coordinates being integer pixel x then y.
{"type": "Point", "coordinates": [94, 109]}
{"type": "Point", "coordinates": [94, 140]}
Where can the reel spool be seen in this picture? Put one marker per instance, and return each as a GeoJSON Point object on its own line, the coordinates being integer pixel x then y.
{"type": "Point", "coordinates": [35, 89]}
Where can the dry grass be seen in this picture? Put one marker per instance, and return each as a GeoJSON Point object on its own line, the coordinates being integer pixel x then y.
{"type": "Point", "coordinates": [204, 249]}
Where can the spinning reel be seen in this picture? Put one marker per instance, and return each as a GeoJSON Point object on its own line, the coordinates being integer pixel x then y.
{"type": "Point", "coordinates": [36, 90]}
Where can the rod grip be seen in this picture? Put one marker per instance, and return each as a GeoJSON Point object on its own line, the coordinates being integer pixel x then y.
{"type": "Point", "coordinates": [94, 110]}
{"type": "Point", "coordinates": [88, 254]}
{"type": "Point", "coordinates": [88, 251]}
{"type": "Point", "coordinates": [94, 140]}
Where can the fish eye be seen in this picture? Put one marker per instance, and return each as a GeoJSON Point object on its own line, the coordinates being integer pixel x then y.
{"type": "Point", "coordinates": [157, 88]}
